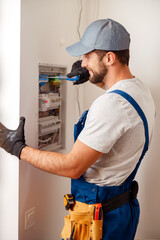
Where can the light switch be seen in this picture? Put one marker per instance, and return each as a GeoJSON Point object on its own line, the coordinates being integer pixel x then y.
{"type": "Point", "coordinates": [30, 218]}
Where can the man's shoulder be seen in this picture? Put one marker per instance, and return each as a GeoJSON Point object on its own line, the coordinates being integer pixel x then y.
{"type": "Point", "coordinates": [107, 105]}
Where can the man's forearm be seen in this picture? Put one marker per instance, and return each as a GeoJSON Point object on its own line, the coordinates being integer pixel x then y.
{"type": "Point", "coordinates": [52, 162]}
{"type": "Point", "coordinates": [72, 164]}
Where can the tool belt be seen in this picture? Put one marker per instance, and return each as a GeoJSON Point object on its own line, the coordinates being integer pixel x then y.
{"type": "Point", "coordinates": [121, 199]}
{"type": "Point", "coordinates": [85, 221]}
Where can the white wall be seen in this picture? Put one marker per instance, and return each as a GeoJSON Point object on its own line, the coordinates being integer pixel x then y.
{"type": "Point", "coordinates": [142, 20]}
{"type": "Point", "coordinates": [47, 27]}
{"type": "Point", "coordinates": [9, 114]}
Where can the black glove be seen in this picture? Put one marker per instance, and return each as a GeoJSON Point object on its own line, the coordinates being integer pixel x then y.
{"type": "Point", "coordinates": [13, 141]}
{"type": "Point", "coordinates": [80, 71]}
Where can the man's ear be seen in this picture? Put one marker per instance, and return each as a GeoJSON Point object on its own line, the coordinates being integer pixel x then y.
{"type": "Point", "coordinates": [109, 58]}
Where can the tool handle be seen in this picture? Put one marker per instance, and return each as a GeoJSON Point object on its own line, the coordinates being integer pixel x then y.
{"type": "Point", "coordinates": [71, 237]}
{"type": "Point", "coordinates": [75, 78]}
{"type": "Point", "coordinates": [97, 213]}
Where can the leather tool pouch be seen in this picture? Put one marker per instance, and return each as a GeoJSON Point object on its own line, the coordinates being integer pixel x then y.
{"type": "Point", "coordinates": [85, 227]}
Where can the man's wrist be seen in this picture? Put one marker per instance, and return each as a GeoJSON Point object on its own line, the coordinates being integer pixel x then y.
{"type": "Point", "coordinates": [22, 152]}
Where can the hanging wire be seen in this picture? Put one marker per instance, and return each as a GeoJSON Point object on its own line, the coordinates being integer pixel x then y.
{"type": "Point", "coordinates": [79, 35]}
{"type": "Point", "coordinates": [96, 9]}
{"type": "Point", "coordinates": [77, 100]}
{"type": "Point", "coordinates": [79, 19]}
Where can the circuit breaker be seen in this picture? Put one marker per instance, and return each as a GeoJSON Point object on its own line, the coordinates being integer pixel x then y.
{"type": "Point", "coordinates": [51, 111]}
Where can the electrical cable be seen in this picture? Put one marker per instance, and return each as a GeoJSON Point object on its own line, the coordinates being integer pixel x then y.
{"type": "Point", "coordinates": [79, 35]}
{"type": "Point", "coordinates": [96, 9]}
{"type": "Point", "coordinates": [79, 19]}
{"type": "Point", "coordinates": [77, 100]}
{"type": "Point", "coordinates": [45, 140]}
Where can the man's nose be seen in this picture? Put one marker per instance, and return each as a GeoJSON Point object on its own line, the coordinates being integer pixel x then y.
{"type": "Point", "coordinates": [84, 63]}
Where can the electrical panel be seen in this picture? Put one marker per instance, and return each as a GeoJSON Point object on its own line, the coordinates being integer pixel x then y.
{"type": "Point", "coordinates": [51, 111]}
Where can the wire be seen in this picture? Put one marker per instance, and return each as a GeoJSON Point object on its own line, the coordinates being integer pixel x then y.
{"type": "Point", "coordinates": [77, 99]}
{"type": "Point", "coordinates": [96, 11]}
{"type": "Point", "coordinates": [45, 140]}
{"type": "Point", "coordinates": [79, 35]}
{"type": "Point", "coordinates": [79, 19]}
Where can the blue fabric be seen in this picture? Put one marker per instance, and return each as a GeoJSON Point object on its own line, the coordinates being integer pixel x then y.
{"type": "Point", "coordinates": [120, 223]}
{"type": "Point", "coordinates": [80, 125]}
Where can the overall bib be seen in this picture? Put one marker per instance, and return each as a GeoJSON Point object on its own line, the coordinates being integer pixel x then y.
{"type": "Point", "coordinates": [121, 223]}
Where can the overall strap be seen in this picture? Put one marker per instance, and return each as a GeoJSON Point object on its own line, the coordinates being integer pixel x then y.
{"type": "Point", "coordinates": [143, 117]}
{"type": "Point", "coordinates": [78, 127]}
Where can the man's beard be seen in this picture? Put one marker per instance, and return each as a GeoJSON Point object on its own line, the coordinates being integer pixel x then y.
{"type": "Point", "coordinates": [99, 76]}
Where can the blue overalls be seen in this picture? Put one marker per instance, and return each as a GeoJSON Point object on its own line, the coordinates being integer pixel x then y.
{"type": "Point", "coordinates": [121, 223]}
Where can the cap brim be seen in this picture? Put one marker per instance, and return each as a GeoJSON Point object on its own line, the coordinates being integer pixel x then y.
{"type": "Point", "coordinates": [78, 49]}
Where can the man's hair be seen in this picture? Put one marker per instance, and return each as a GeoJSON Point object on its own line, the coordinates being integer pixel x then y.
{"type": "Point", "coordinates": [123, 55]}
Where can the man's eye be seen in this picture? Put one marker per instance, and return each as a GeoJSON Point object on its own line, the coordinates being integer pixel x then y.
{"type": "Point", "coordinates": [87, 56]}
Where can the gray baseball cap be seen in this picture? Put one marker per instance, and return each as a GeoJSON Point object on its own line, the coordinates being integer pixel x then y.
{"type": "Point", "coordinates": [103, 34]}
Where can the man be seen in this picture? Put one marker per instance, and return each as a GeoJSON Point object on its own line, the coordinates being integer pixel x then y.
{"type": "Point", "coordinates": [110, 139]}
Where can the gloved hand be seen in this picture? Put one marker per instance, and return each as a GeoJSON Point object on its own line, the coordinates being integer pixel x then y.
{"type": "Point", "coordinates": [80, 71]}
{"type": "Point", "coordinates": [13, 141]}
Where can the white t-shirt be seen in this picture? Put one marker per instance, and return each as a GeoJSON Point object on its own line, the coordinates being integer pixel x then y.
{"type": "Point", "coordinates": [114, 128]}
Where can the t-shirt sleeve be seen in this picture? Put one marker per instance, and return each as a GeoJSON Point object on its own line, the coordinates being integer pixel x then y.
{"type": "Point", "coordinates": [106, 122]}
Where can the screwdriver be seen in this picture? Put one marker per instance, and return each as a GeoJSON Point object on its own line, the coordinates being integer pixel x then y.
{"type": "Point", "coordinates": [71, 237]}
{"type": "Point", "coordinates": [60, 77]}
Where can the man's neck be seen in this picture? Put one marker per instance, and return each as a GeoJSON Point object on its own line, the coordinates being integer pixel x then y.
{"type": "Point", "coordinates": [117, 74]}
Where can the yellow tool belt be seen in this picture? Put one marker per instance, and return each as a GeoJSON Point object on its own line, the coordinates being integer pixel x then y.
{"type": "Point", "coordinates": [85, 227]}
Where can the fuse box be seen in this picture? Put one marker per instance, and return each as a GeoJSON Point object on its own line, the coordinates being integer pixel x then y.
{"type": "Point", "coordinates": [51, 110]}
